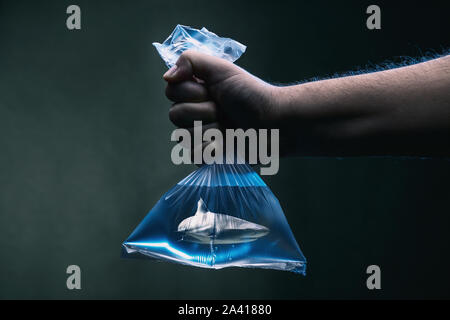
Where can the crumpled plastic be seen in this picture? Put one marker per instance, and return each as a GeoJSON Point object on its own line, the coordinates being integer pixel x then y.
{"type": "Point", "coordinates": [221, 215]}
{"type": "Point", "coordinates": [184, 38]}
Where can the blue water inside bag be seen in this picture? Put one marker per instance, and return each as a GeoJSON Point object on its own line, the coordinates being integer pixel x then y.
{"type": "Point", "coordinates": [221, 215]}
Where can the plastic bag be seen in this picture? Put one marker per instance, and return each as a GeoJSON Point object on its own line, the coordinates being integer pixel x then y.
{"type": "Point", "coordinates": [221, 215]}
{"type": "Point", "coordinates": [184, 38]}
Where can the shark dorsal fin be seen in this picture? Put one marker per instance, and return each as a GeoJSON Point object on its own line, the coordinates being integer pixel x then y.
{"type": "Point", "coordinates": [201, 207]}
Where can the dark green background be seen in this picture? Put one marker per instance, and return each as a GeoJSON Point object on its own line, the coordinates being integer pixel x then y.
{"type": "Point", "coordinates": [85, 151]}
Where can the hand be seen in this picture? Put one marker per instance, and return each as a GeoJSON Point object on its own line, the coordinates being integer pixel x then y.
{"type": "Point", "coordinates": [403, 111]}
{"type": "Point", "coordinates": [218, 93]}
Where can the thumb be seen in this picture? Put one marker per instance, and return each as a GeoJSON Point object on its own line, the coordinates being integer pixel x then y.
{"type": "Point", "coordinates": [203, 66]}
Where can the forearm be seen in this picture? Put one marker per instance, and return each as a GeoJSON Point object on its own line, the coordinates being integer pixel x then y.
{"type": "Point", "coordinates": [403, 111]}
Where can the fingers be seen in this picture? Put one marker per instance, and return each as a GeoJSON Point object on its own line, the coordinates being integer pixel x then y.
{"type": "Point", "coordinates": [184, 114]}
{"type": "Point", "coordinates": [191, 104]}
{"type": "Point", "coordinates": [203, 66]}
{"type": "Point", "coordinates": [186, 91]}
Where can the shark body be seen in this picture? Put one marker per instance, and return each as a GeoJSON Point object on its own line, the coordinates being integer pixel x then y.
{"type": "Point", "coordinates": [206, 226]}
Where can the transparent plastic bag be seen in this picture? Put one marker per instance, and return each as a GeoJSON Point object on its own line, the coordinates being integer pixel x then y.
{"type": "Point", "coordinates": [184, 38]}
{"type": "Point", "coordinates": [221, 215]}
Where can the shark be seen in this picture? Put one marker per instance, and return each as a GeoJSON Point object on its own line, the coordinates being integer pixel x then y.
{"type": "Point", "coordinates": [206, 227]}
